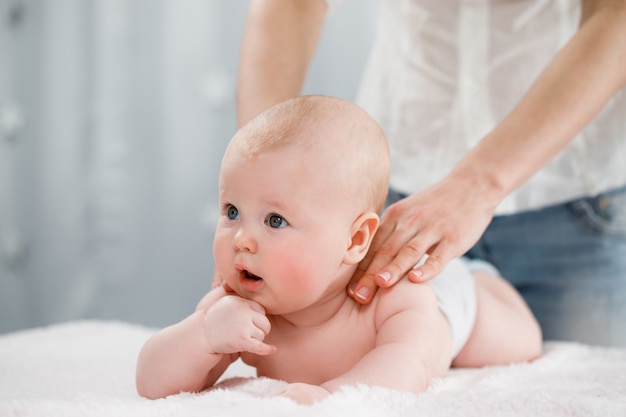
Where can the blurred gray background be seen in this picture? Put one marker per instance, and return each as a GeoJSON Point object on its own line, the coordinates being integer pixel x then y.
{"type": "Point", "coordinates": [113, 118]}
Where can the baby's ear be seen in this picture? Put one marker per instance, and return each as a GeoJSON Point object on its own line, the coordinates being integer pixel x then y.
{"type": "Point", "coordinates": [363, 230]}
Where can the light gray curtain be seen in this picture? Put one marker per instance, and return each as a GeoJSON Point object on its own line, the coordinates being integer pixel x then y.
{"type": "Point", "coordinates": [113, 118]}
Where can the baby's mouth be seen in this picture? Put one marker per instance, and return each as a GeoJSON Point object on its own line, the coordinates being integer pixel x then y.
{"type": "Point", "coordinates": [250, 282]}
{"type": "Point", "coordinates": [249, 275]}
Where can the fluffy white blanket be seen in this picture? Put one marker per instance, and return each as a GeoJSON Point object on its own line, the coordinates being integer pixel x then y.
{"type": "Point", "coordinates": [87, 369]}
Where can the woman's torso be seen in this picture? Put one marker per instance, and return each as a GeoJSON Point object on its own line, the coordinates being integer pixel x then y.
{"type": "Point", "coordinates": [442, 74]}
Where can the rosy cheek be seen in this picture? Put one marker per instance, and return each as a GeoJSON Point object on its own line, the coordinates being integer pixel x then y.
{"type": "Point", "coordinates": [222, 245]}
{"type": "Point", "coordinates": [299, 272]}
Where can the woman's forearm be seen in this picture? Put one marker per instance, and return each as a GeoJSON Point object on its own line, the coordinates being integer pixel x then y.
{"type": "Point", "coordinates": [566, 96]}
{"type": "Point", "coordinates": [278, 45]}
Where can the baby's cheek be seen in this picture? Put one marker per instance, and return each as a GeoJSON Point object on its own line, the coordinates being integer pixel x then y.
{"type": "Point", "coordinates": [308, 261]}
{"type": "Point", "coordinates": [299, 271]}
{"type": "Point", "coordinates": [222, 253]}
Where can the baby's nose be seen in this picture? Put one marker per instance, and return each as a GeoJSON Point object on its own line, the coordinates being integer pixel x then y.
{"type": "Point", "coordinates": [244, 241]}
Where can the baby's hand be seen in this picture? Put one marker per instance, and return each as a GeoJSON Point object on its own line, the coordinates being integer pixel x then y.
{"type": "Point", "coordinates": [303, 393]}
{"type": "Point", "coordinates": [234, 324]}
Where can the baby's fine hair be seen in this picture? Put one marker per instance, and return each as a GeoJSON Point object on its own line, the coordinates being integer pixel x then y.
{"type": "Point", "coordinates": [339, 128]}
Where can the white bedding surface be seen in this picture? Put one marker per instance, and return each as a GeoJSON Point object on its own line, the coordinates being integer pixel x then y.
{"type": "Point", "coordinates": [87, 369]}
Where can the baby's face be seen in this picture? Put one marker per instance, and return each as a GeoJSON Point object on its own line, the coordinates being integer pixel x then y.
{"type": "Point", "coordinates": [284, 229]}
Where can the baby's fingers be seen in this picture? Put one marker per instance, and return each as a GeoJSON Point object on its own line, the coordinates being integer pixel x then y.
{"type": "Point", "coordinates": [259, 347]}
{"type": "Point", "coordinates": [262, 328]}
{"type": "Point", "coordinates": [261, 322]}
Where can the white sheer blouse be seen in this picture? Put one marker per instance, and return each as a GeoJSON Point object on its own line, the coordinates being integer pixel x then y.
{"type": "Point", "coordinates": [442, 74]}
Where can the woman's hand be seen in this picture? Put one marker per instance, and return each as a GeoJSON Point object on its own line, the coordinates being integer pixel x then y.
{"type": "Point", "coordinates": [442, 221]}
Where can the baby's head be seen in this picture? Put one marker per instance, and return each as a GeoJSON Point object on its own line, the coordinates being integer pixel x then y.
{"type": "Point", "coordinates": [300, 188]}
{"type": "Point", "coordinates": [340, 142]}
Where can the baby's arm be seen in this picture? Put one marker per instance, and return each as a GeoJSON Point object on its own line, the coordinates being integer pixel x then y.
{"type": "Point", "coordinates": [192, 354]}
{"type": "Point", "coordinates": [413, 342]}
{"type": "Point", "coordinates": [413, 345]}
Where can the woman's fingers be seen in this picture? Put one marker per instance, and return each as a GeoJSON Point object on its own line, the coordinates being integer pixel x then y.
{"type": "Point", "coordinates": [363, 286]}
{"type": "Point", "coordinates": [395, 257]}
{"type": "Point", "coordinates": [443, 221]}
{"type": "Point", "coordinates": [408, 255]}
{"type": "Point", "coordinates": [433, 264]}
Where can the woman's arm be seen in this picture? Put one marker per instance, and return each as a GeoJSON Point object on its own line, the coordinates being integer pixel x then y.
{"type": "Point", "coordinates": [566, 96]}
{"type": "Point", "coordinates": [446, 219]}
{"type": "Point", "coordinates": [279, 42]}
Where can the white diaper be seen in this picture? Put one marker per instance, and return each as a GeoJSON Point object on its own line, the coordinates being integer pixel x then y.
{"type": "Point", "coordinates": [456, 295]}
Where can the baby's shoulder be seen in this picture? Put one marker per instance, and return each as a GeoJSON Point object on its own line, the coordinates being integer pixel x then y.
{"type": "Point", "coordinates": [405, 290]}
{"type": "Point", "coordinates": [405, 296]}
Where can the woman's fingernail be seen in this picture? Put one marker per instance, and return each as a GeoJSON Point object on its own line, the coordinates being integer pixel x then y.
{"type": "Point", "coordinates": [363, 293]}
{"type": "Point", "coordinates": [385, 276]}
{"type": "Point", "coordinates": [417, 274]}
{"type": "Point", "coordinates": [351, 290]}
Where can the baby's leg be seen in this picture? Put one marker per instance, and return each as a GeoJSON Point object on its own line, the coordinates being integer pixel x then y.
{"type": "Point", "coordinates": [505, 330]}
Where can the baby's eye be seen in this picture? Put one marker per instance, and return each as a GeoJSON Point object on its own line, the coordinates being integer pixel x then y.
{"type": "Point", "coordinates": [275, 221]}
{"type": "Point", "coordinates": [232, 212]}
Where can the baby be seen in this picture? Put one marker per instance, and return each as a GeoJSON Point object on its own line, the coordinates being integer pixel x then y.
{"type": "Point", "coordinates": [300, 189]}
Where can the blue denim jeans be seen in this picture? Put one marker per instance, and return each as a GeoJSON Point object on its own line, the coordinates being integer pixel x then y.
{"type": "Point", "coordinates": [569, 263]}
